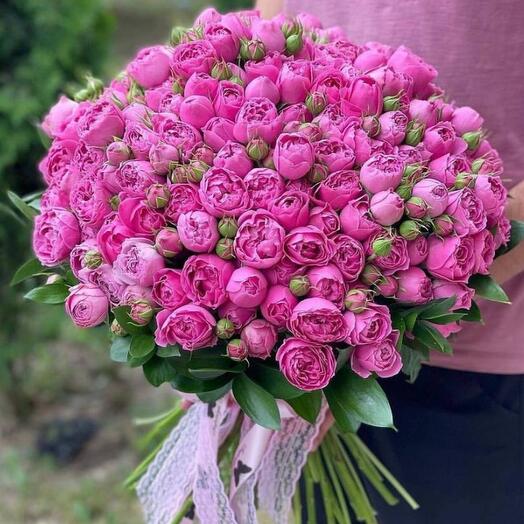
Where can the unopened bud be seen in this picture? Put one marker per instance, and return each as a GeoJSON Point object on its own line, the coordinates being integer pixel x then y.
{"type": "Point", "coordinates": [180, 174]}
{"type": "Point", "coordinates": [370, 274]}
{"type": "Point", "coordinates": [93, 259]}
{"type": "Point", "coordinates": [416, 207]}
{"type": "Point", "coordinates": [294, 43]}
{"type": "Point", "coordinates": [168, 243]}
{"type": "Point", "coordinates": [387, 286]}
{"type": "Point", "coordinates": [204, 154]}
{"type": "Point", "coordinates": [228, 227]}
{"type": "Point", "coordinates": [414, 133]}
{"type": "Point", "coordinates": [157, 196]}
{"type": "Point", "coordinates": [237, 80]}
{"type": "Point", "coordinates": [404, 191]}
{"type": "Point", "coordinates": [237, 349]}
{"type": "Point", "coordinates": [221, 71]}
{"type": "Point", "coordinates": [178, 35]}
{"type": "Point", "coordinates": [472, 139]}
{"type": "Point", "coordinates": [114, 202]}
{"type": "Point", "coordinates": [476, 165]}
{"type": "Point", "coordinates": [318, 173]}
{"type": "Point", "coordinates": [117, 329]}
{"type": "Point", "coordinates": [443, 225]}
{"type": "Point", "coordinates": [463, 180]}
{"type": "Point", "coordinates": [268, 162]}
{"type": "Point", "coordinates": [392, 103]}
{"type": "Point", "coordinates": [300, 286]}
{"type": "Point", "coordinates": [316, 102]}
{"type": "Point", "coordinates": [409, 229]}
{"type": "Point", "coordinates": [356, 300]}
{"type": "Point", "coordinates": [196, 171]}
{"type": "Point", "coordinates": [257, 149]}
{"type": "Point", "coordinates": [224, 249]}
{"type": "Point", "coordinates": [371, 124]}
{"type": "Point", "coordinates": [382, 246]}
{"type": "Point", "coordinates": [252, 50]}
{"type": "Point", "coordinates": [141, 312]}
{"type": "Point", "coordinates": [413, 173]}
{"type": "Point", "coordinates": [117, 152]}
{"type": "Point", "coordinates": [54, 279]}
{"type": "Point", "coordinates": [178, 86]}
{"type": "Point", "coordinates": [224, 329]}
{"type": "Point", "coordinates": [291, 28]}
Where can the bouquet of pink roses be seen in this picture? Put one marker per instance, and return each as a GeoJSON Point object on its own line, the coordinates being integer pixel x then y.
{"type": "Point", "coordinates": [268, 217]}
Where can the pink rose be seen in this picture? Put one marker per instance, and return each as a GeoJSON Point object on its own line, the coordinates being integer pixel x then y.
{"type": "Point", "coordinates": [434, 193]}
{"type": "Point", "coordinates": [167, 242]}
{"type": "Point", "coordinates": [117, 152]}
{"type": "Point", "coordinates": [198, 231]}
{"type": "Point", "coordinates": [356, 222]}
{"type": "Point", "coordinates": [414, 286]}
{"type": "Point", "coordinates": [233, 156]}
{"type": "Point", "coordinates": [324, 218]}
{"type": "Point", "coordinates": [135, 176]}
{"type": "Point", "coordinates": [228, 99]}
{"type": "Point", "coordinates": [55, 234]}
{"type": "Point", "coordinates": [327, 282]}
{"type": "Point", "coordinates": [184, 198]}
{"type": "Point", "coordinates": [387, 207]}
{"type": "Point", "coordinates": [77, 258]}
{"type": "Point", "coordinates": [441, 139]}
{"type": "Point", "coordinates": [446, 168]}
{"type": "Point", "coordinates": [201, 84]}
{"type": "Point", "coordinates": [466, 120]}
{"type": "Point", "coordinates": [293, 155]}
{"type": "Point", "coordinates": [484, 251]}
{"type": "Point", "coordinates": [381, 172]}
{"type": "Point", "coordinates": [223, 193]}
{"type": "Point", "coordinates": [193, 57]}
{"type": "Point", "coordinates": [392, 81]}
{"type": "Point", "coordinates": [196, 110]}
{"type": "Point", "coordinates": [87, 305]}
{"type": "Point", "coordinates": [137, 262]}
{"type": "Point", "coordinates": [89, 201]}
{"type": "Point", "coordinates": [393, 126]}
{"type": "Point", "coordinates": [491, 161]}
{"type": "Point", "coordinates": [111, 236]}
{"type": "Point", "coordinates": [451, 258]}
{"type": "Point", "coordinates": [308, 246]}
{"type": "Point", "coordinates": [247, 287]}
{"type": "Point", "coordinates": [306, 366]}
{"type": "Point", "coordinates": [317, 320]}
{"type": "Point", "coordinates": [135, 113]}
{"type": "Point", "coordinates": [417, 250]}
{"type": "Point", "coordinates": [105, 278]}
{"type": "Point", "coordinates": [278, 305]}
{"type": "Point", "coordinates": [224, 41]}
{"type": "Point", "coordinates": [381, 358]}
{"type": "Point", "coordinates": [139, 217]}
{"type": "Point", "coordinates": [403, 60]}
{"type": "Point", "coordinates": [466, 211]}
{"type": "Point", "coordinates": [423, 112]}
{"type": "Point", "coordinates": [463, 294]}
{"type": "Point", "coordinates": [264, 186]}
{"type": "Point", "coordinates": [162, 156]}
{"type": "Point", "coordinates": [269, 32]}
{"type": "Point", "coordinates": [217, 132]}
{"type": "Point", "coordinates": [269, 66]}
{"type": "Point", "coordinates": [175, 132]}
{"type": "Point", "coordinates": [294, 81]}
{"type": "Point", "coordinates": [490, 191]}
{"type": "Point", "coordinates": [291, 209]}
{"type": "Point", "coordinates": [193, 327]}
{"type": "Point", "coordinates": [335, 154]}
{"type": "Point", "coordinates": [167, 289]}
{"type": "Point", "coordinates": [100, 124]}
{"type": "Point", "coordinates": [258, 117]}
{"type": "Point", "coordinates": [151, 66]}
{"type": "Point", "coordinates": [349, 256]}
{"type": "Point", "coordinates": [263, 87]}
{"type": "Point", "coordinates": [398, 257]}
{"type": "Point", "coordinates": [260, 338]}
{"type": "Point", "coordinates": [283, 271]}
{"type": "Point", "coordinates": [365, 93]}
{"type": "Point", "coordinates": [56, 165]}
{"type": "Point", "coordinates": [59, 117]}
{"type": "Point", "coordinates": [340, 188]}
{"type": "Point", "coordinates": [503, 231]}
{"type": "Point", "coordinates": [238, 316]}
{"type": "Point", "coordinates": [370, 326]}
{"type": "Point", "coordinates": [259, 240]}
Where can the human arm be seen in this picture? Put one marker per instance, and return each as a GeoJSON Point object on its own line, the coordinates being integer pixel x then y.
{"type": "Point", "coordinates": [270, 8]}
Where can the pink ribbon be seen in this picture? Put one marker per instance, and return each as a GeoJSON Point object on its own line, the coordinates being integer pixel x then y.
{"type": "Point", "coordinates": [267, 461]}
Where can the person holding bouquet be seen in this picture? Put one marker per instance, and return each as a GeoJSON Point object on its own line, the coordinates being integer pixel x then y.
{"type": "Point", "coordinates": [460, 440]}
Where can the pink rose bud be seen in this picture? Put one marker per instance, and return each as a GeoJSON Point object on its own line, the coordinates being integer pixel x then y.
{"type": "Point", "coordinates": [252, 50]}
{"type": "Point", "coordinates": [168, 242]}
{"type": "Point", "coordinates": [100, 124]}
{"type": "Point", "coordinates": [404, 191]}
{"type": "Point", "coordinates": [141, 312]}
{"type": "Point", "coordinates": [270, 33]}
{"type": "Point", "coordinates": [225, 249]}
{"type": "Point", "coordinates": [247, 287]}
{"type": "Point", "coordinates": [260, 338]}
{"type": "Point", "coordinates": [416, 207]}
{"type": "Point", "coordinates": [316, 102]}
{"type": "Point", "coordinates": [387, 286]}
{"type": "Point", "coordinates": [236, 349]}
{"type": "Point", "coordinates": [180, 174]}
{"type": "Point", "coordinates": [466, 120]}
{"type": "Point", "coordinates": [224, 329]}
{"type": "Point", "coordinates": [387, 207]}
{"type": "Point", "coordinates": [204, 154]}
{"type": "Point", "coordinates": [158, 196]}
{"type": "Point", "coordinates": [263, 87]}
{"type": "Point", "coordinates": [409, 229]}
{"type": "Point", "coordinates": [381, 172]}
{"type": "Point", "coordinates": [463, 180]}
{"type": "Point", "coordinates": [305, 365]}
{"type": "Point", "coordinates": [293, 155]}
{"type": "Point", "coordinates": [196, 110]}
{"type": "Point", "coordinates": [151, 66]}
{"type": "Point", "coordinates": [300, 285]}
{"type": "Point", "coordinates": [414, 173]}
{"type": "Point", "coordinates": [93, 259]}
{"type": "Point", "coordinates": [434, 193]}
{"type": "Point", "coordinates": [196, 171]}
{"type": "Point", "coordinates": [198, 231]}
{"type": "Point", "coordinates": [294, 44]}
{"type": "Point", "coordinates": [370, 274]}
{"type": "Point", "coordinates": [87, 305]}
{"type": "Point", "coordinates": [117, 152]}
{"type": "Point", "coordinates": [162, 156]}
{"type": "Point", "coordinates": [327, 282]}
{"type": "Point", "coordinates": [371, 125]}
{"type": "Point", "coordinates": [414, 286]}
{"type": "Point", "coordinates": [356, 300]}
{"type": "Point", "coordinates": [393, 126]}
{"type": "Point", "coordinates": [257, 149]}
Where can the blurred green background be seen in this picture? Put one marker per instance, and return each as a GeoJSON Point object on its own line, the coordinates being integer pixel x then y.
{"type": "Point", "coordinates": [67, 438]}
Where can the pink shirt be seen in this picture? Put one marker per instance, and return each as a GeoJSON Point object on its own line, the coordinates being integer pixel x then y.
{"type": "Point", "coordinates": [478, 48]}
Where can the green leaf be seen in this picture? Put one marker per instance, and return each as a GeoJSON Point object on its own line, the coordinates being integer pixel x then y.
{"type": "Point", "coordinates": [447, 318]}
{"type": "Point", "coordinates": [27, 270]}
{"type": "Point", "coordinates": [431, 337]}
{"type": "Point", "coordinates": [412, 359]}
{"type": "Point", "coordinates": [169, 351]}
{"type": "Point", "coordinates": [473, 314]}
{"type": "Point", "coordinates": [437, 308]}
{"type": "Point", "coordinates": [516, 237]}
{"type": "Point", "coordinates": [307, 405]}
{"type": "Point", "coordinates": [49, 294]}
{"type": "Point", "coordinates": [142, 345]}
{"type": "Point", "coordinates": [272, 380]}
{"type": "Point", "coordinates": [352, 399]}
{"type": "Point", "coordinates": [26, 210]}
{"type": "Point", "coordinates": [206, 368]}
{"type": "Point", "coordinates": [186, 384]}
{"type": "Point", "coordinates": [487, 288]}
{"type": "Point", "coordinates": [214, 395]}
{"type": "Point", "coordinates": [158, 370]}
{"type": "Point", "coordinates": [120, 349]}
{"type": "Point", "coordinates": [122, 316]}
{"type": "Point", "coordinates": [256, 402]}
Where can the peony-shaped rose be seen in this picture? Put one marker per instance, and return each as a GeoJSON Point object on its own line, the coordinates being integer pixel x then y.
{"type": "Point", "coordinates": [238, 316]}
{"type": "Point", "coordinates": [100, 124]}
{"type": "Point", "coordinates": [308, 246]}
{"type": "Point", "coordinates": [151, 66]}
{"type": "Point", "coordinates": [387, 207]}
{"type": "Point", "coordinates": [167, 288]}
{"type": "Point", "coordinates": [260, 338]}
{"type": "Point", "coordinates": [451, 258]}
{"type": "Point", "coordinates": [306, 366]}
{"type": "Point", "coordinates": [87, 305]}
{"type": "Point", "coordinates": [258, 117]}
{"type": "Point", "coordinates": [278, 305]}
{"type": "Point", "coordinates": [293, 155]}
{"type": "Point", "coordinates": [327, 282]}
{"type": "Point", "coordinates": [340, 188]}
{"type": "Point", "coordinates": [264, 186]}
{"type": "Point", "coordinates": [368, 326]}
{"type": "Point", "coordinates": [291, 209]}
{"type": "Point", "coordinates": [233, 157]}
{"type": "Point", "coordinates": [434, 194]}
{"type": "Point", "coordinates": [198, 231]}
{"type": "Point", "coordinates": [466, 211]}
{"type": "Point", "coordinates": [247, 287]}
{"type": "Point", "coordinates": [414, 286]}
{"type": "Point", "coordinates": [381, 172]}
{"type": "Point", "coordinates": [381, 358]}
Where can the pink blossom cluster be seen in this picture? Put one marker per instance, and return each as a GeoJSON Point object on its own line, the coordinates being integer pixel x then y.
{"type": "Point", "coordinates": [271, 184]}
